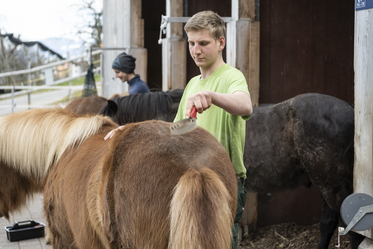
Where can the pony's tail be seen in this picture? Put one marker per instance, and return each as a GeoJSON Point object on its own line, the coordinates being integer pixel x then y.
{"type": "Point", "coordinates": [200, 216]}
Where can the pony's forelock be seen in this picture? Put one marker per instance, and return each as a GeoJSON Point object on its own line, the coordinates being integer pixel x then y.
{"type": "Point", "coordinates": [31, 141]}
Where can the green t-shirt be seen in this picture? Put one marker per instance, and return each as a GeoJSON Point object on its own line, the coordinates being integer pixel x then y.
{"type": "Point", "coordinates": [229, 129]}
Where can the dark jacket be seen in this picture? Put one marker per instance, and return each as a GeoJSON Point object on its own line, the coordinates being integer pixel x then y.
{"type": "Point", "coordinates": [137, 85]}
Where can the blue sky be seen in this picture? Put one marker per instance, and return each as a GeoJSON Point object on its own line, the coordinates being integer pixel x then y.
{"type": "Point", "coordinates": [36, 20]}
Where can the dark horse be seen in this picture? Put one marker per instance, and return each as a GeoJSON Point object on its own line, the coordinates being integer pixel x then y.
{"type": "Point", "coordinates": [308, 139]}
{"type": "Point", "coordinates": [143, 106]}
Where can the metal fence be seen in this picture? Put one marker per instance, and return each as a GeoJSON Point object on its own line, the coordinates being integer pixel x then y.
{"type": "Point", "coordinates": [50, 84]}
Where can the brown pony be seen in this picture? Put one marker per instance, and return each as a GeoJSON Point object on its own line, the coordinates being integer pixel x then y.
{"type": "Point", "coordinates": [143, 188]}
{"type": "Point", "coordinates": [87, 105]}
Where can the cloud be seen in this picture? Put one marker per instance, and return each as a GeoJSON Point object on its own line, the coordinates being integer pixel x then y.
{"type": "Point", "coordinates": [40, 19]}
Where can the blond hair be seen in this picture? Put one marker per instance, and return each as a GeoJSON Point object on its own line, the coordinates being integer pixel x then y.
{"type": "Point", "coordinates": [207, 20]}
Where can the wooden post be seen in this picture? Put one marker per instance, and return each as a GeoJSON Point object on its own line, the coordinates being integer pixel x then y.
{"type": "Point", "coordinates": [12, 91]}
{"type": "Point", "coordinates": [174, 50]}
{"type": "Point", "coordinates": [243, 35]}
{"type": "Point", "coordinates": [69, 73]}
{"type": "Point", "coordinates": [101, 77]}
{"type": "Point", "coordinates": [29, 84]}
{"type": "Point", "coordinates": [123, 28]}
{"type": "Point", "coordinates": [363, 170]}
{"type": "Point", "coordinates": [243, 40]}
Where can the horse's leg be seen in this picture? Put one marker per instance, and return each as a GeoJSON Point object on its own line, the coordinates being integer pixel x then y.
{"type": "Point", "coordinates": [355, 239]}
{"type": "Point", "coordinates": [48, 236]}
{"type": "Point", "coordinates": [328, 224]}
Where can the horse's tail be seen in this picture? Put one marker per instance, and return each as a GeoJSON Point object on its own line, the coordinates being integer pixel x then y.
{"type": "Point", "coordinates": [201, 214]}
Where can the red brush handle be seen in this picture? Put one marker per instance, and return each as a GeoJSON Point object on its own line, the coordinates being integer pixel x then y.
{"type": "Point", "coordinates": [193, 113]}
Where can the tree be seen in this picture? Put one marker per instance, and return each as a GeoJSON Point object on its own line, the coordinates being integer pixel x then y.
{"type": "Point", "coordinates": [91, 28]}
{"type": "Point", "coordinates": [10, 58]}
{"type": "Point", "coordinates": [16, 54]}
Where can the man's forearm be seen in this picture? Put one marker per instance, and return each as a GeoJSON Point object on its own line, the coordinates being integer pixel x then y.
{"type": "Point", "coordinates": [238, 103]}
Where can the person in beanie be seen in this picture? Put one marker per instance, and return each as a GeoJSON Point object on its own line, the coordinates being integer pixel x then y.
{"type": "Point", "coordinates": [124, 68]}
{"type": "Point", "coordinates": [220, 94]}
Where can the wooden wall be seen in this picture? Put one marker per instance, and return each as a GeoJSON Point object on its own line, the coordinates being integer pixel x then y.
{"type": "Point", "coordinates": [124, 29]}
{"type": "Point", "coordinates": [306, 46]}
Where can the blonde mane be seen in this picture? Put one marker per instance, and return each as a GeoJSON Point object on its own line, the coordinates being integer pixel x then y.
{"type": "Point", "coordinates": [31, 141]}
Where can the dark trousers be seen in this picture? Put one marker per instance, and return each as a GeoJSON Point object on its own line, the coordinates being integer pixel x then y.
{"type": "Point", "coordinates": [241, 200]}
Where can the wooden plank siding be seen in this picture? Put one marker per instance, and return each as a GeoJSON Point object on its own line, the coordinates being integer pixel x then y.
{"type": "Point", "coordinates": [363, 170]}
{"type": "Point", "coordinates": [306, 46]}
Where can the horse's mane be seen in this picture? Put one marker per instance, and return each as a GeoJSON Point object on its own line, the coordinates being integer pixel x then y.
{"type": "Point", "coordinates": [146, 106]}
{"type": "Point", "coordinates": [31, 141]}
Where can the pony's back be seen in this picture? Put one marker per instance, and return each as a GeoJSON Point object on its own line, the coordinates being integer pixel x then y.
{"type": "Point", "coordinates": [171, 191]}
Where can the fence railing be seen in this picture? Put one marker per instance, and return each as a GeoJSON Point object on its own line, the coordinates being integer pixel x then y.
{"type": "Point", "coordinates": [52, 85]}
{"type": "Point", "coordinates": [33, 89]}
{"type": "Point", "coordinates": [53, 64]}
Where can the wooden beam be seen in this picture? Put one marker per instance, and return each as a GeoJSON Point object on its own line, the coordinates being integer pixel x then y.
{"type": "Point", "coordinates": [248, 55]}
{"type": "Point", "coordinates": [137, 25]}
{"type": "Point", "coordinates": [243, 41]}
{"type": "Point", "coordinates": [243, 44]}
{"type": "Point", "coordinates": [363, 170]}
{"type": "Point", "coordinates": [174, 50]}
{"type": "Point", "coordinates": [123, 28]}
{"type": "Point", "coordinates": [247, 10]}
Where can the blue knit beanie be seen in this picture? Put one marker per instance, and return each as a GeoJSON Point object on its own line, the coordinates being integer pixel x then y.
{"type": "Point", "coordinates": [124, 63]}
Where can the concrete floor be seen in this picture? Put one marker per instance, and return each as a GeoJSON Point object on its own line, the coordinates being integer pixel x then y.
{"type": "Point", "coordinates": [33, 211]}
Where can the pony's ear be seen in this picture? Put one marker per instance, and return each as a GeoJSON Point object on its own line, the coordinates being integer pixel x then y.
{"type": "Point", "coordinates": [112, 108]}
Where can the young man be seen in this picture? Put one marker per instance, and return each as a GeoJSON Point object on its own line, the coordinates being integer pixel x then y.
{"type": "Point", "coordinates": [220, 95]}
{"type": "Point", "coordinates": [124, 66]}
